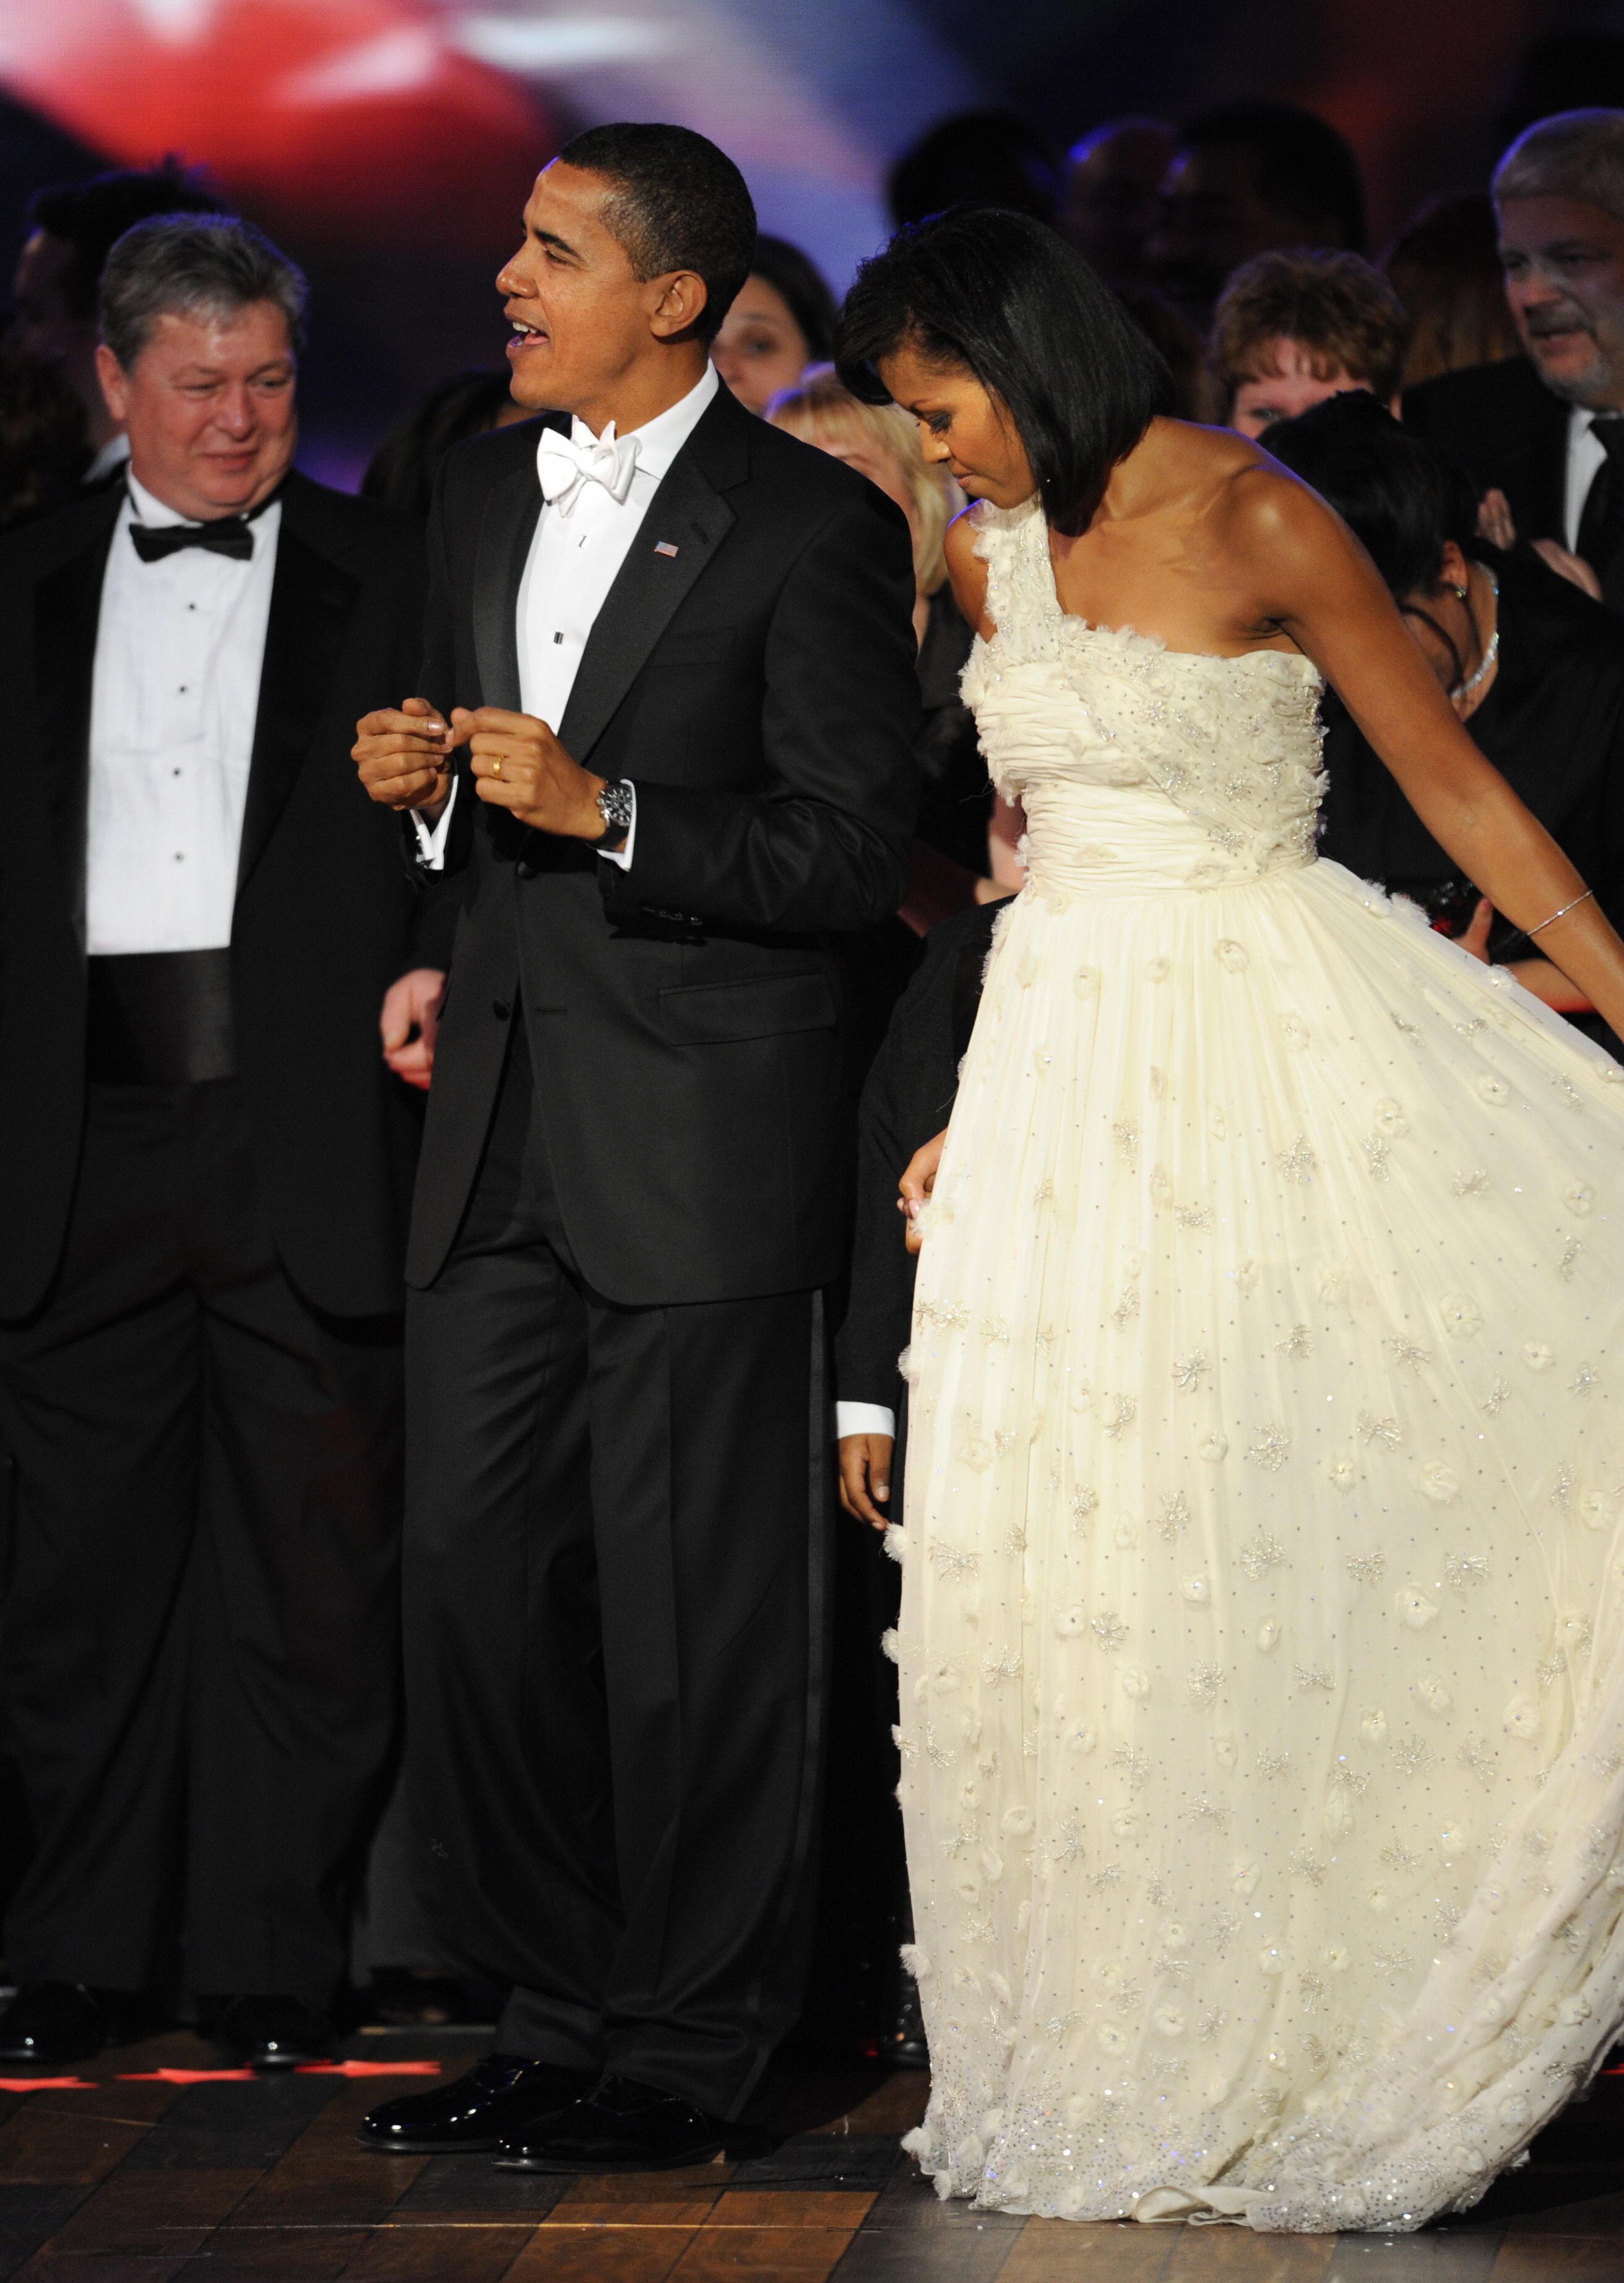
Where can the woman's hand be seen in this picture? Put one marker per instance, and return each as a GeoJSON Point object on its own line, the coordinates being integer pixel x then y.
{"type": "Point", "coordinates": [1546, 981]}
{"type": "Point", "coordinates": [918, 1180]}
{"type": "Point", "coordinates": [866, 1476]}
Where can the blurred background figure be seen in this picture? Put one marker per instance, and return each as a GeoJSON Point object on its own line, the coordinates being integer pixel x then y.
{"type": "Point", "coordinates": [950, 863]}
{"type": "Point", "coordinates": [402, 470]}
{"type": "Point", "coordinates": [1291, 328]}
{"type": "Point", "coordinates": [1444, 265]}
{"type": "Point", "coordinates": [1544, 432]}
{"type": "Point", "coordinates": [976, 157]}
{"type": "Point", "coordinates": [1111, 184]}
{"type": "Point", "coordinates": [71, 231]}
{"type": "Point", "coordinates": [781, 321]}
{"type": "Point", "coordinates": [1533, 668]}
{"type": "Point", "coordinates": [44, 437]}
{"type": "Point", "coordinates": [1247, 177]}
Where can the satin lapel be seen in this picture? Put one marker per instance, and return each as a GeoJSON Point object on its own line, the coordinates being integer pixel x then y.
{"type": "Point", "coordinates": [505, 532]}
{"type": "Point", "coordinates": [67, 606]}
{"type": "Point", "coordinates": [687, 512]}
{"type": "Point", "coordinates": [312, 602]}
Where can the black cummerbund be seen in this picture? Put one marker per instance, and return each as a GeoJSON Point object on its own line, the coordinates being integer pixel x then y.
{"type": "Point", "coordinates": [159, 1019]}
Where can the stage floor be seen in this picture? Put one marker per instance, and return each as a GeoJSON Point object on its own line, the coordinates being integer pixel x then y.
{"type": "Point", "coordinates": [143, 2173]}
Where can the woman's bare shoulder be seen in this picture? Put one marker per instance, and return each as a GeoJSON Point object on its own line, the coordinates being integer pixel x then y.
{"type": "Point", "coordinates": [965, 570]}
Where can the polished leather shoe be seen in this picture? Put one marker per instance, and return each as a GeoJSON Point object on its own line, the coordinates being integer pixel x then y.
{"type": "Point", "coordinates": [273, 2033]}
{"type": "Point", "coordinates": [49, 2023]}
{"type": "Point", "coordinates": [500, 2095]}
{"type": "Point", "coordinates": [625, 2127]}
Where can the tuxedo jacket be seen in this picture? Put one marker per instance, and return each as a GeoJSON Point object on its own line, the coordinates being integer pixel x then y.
{"type": "Point", "coordinates": [1508, 431]}
{"type": "Point", "coordinates": [757, 684]}
{"type": "Point", "coordinates": [325, 918]}
{"type": "Point", "coordinates": [909, 1096]}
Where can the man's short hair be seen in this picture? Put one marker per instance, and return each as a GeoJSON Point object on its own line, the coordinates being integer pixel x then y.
{"type": "Point", "coordinates": [675, 202]}
{"type": "Point", "coordinates": [1305, 170]}
{"type": "Point", "coordinates": [1341, 312]}
{"type": "Point", "coordinates": [193, 265]}
{"type": "Point", "coordinates": [1577, 154]}
{"type": "Point", "coordinates": [89, 218]}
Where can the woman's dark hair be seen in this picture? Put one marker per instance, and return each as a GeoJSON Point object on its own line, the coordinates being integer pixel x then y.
{"type": "Point", "coordinates": [1403, 501]}
{"type": "Point", "coordinates": [402, 470]}
{"type": "Point", "coordinates": [998, 295]}
{"type": "Point", "coordinates": [804, 290]}
{"type": "Point", "coordinates": [44, 439]}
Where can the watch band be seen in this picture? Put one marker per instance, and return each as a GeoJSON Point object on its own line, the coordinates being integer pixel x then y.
{"type": "Point", "coordinates": [617, 806]}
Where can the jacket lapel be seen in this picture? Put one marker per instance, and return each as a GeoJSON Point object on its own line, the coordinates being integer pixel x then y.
{"type": "Point", "coordinates": [312, 602]}
{"type": "Point", "coordinates": [67, 607]}
{"type": "Point", "coordinates": [687, 512]}
{"type": "Point", "coordinates": [505, 532]}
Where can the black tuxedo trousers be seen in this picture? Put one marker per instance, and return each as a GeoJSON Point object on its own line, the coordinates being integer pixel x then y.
{"type": "Point", "coordinates": [615, 1544]}
{"type": "Point", "coordinates": [200, 1619]}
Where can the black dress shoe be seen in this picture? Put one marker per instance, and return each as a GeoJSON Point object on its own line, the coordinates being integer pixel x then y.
{"type": "Point", "coordinates": [49, 2023]}
{"type": "Point", "coordinates": [500, 2095]}
{"type": "Point", "coordinates": [626, 2127]}
{"type": "Point", "coordinates": [273, 2033]}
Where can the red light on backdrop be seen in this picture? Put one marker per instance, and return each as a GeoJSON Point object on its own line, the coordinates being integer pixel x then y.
{"type": "Point", "coordinates": [348, 123]}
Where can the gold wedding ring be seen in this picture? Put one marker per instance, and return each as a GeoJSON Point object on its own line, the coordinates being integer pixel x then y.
{"type": "Point", "coordinates": [496, 760]}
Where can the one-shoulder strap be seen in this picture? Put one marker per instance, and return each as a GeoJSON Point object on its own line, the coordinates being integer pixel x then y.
{"type": "Point", "coordinates": [1021, 603]}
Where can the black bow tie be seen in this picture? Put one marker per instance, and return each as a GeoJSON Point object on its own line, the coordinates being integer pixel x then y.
{"type": "Point", "coordinates": [228, 534]}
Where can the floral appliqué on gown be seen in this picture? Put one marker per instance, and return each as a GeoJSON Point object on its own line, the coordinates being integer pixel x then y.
{"type": "Point", "coordinates": [1261, 1642]}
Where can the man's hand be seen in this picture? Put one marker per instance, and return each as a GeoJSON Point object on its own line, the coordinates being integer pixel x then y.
{"type": "Point", "coordinates": [866, 1476]}
{"type": "Point", "coordinates": [918, 1180]}
{"type": "Point", "coordinates": [519, 764]}
{"type": "Point", "coordinates": [404, 757]}
{"type": "Point", "coordinates": [412, 1004]}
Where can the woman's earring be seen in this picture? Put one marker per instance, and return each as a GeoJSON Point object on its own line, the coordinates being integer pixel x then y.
{"type": "Point", "coordinates": [1459, 594]}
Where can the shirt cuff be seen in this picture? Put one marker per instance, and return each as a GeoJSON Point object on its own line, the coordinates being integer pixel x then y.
{"type": "Point", "coordinates": [864, 1419]}
{"type": "Point", "coordinates": [622, 854]}
{"type": "Point", "coordinates": [432, 838]}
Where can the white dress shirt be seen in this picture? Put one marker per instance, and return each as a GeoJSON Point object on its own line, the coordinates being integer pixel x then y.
{"type": "Point", "coordinates": [1585, 455]}
{"type": "Point", "coordinates": [864, 1419]}
{"type": "Point", "coordinates": [179, 646]}
{"type": "Point", "coordinates": [574, 559]}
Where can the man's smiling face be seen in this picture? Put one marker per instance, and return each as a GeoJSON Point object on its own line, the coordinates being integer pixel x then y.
{"type": "Point", "coordinates": [1564, 263]}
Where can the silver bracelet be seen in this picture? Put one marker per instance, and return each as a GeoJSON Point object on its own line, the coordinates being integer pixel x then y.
{"type": "Point", "coordinates": [1555, 916]}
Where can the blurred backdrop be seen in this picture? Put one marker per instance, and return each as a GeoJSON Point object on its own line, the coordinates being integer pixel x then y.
{"type": "Point", "coordinates": [389, 144]}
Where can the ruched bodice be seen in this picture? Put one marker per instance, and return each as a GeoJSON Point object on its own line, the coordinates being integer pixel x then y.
{"type": "Point", "coordinates": [1219, 757]}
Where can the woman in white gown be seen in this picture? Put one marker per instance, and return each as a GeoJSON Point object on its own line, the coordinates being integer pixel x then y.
{"type": "Point", "coordinates": [1262, 1643]}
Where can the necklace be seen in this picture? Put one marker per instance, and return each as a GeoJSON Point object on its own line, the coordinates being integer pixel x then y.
{"type": "Point", "coordinates": [1485, 663]}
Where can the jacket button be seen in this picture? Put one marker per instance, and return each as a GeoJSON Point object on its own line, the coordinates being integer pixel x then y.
{"type": "Point", "coordinates": [500, 1010]}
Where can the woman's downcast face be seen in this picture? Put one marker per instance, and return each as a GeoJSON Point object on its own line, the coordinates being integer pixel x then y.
{"type": "Point", "coordinates": [961, 423]}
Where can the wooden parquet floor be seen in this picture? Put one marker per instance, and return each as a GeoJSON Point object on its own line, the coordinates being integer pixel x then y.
{"type": "Point", "coordinates": [153, 2167]}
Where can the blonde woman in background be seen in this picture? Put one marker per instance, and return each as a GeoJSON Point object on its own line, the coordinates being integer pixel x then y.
{"type": "Point", "coordinates": [965, 851]}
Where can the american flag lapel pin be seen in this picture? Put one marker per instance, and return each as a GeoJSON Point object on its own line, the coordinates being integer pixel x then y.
{"type": "Point", "coordinates": [663, 547]}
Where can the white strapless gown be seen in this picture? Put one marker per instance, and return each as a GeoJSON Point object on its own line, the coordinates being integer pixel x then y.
{"type": "Point", "coordinates": [1262, 1643]}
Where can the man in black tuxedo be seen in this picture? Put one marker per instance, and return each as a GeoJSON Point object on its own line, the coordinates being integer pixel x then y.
{"type": "Point", "coordinates": [1547, 430]}
{"type": "Point", "coordinates": [206, 1170]}
{"type": "Point", "coordinates": [674, 652]}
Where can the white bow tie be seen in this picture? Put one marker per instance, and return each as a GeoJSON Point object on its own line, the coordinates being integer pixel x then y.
{"type": "Point", "coordinates": [564, 464]}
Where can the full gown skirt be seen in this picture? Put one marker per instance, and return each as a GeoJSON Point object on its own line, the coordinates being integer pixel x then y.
{"type": "Point", "coordinates": [1261, 1642]}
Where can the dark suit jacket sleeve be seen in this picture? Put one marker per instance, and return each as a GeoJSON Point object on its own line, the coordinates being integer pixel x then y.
{"type": "Point", "coordinates": [907, 1098]}
{"type": "Point", "coordinates": [825, 845]}
{"type": "Point", "coordinates": [437, 681]}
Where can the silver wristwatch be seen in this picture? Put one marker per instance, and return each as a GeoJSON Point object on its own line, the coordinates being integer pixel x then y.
{"type": "Point", "coordinates": [617, 805]}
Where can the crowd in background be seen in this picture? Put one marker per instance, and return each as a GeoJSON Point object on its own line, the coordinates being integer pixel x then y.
{"type": "Point", "coordinates": [1432, 407]}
